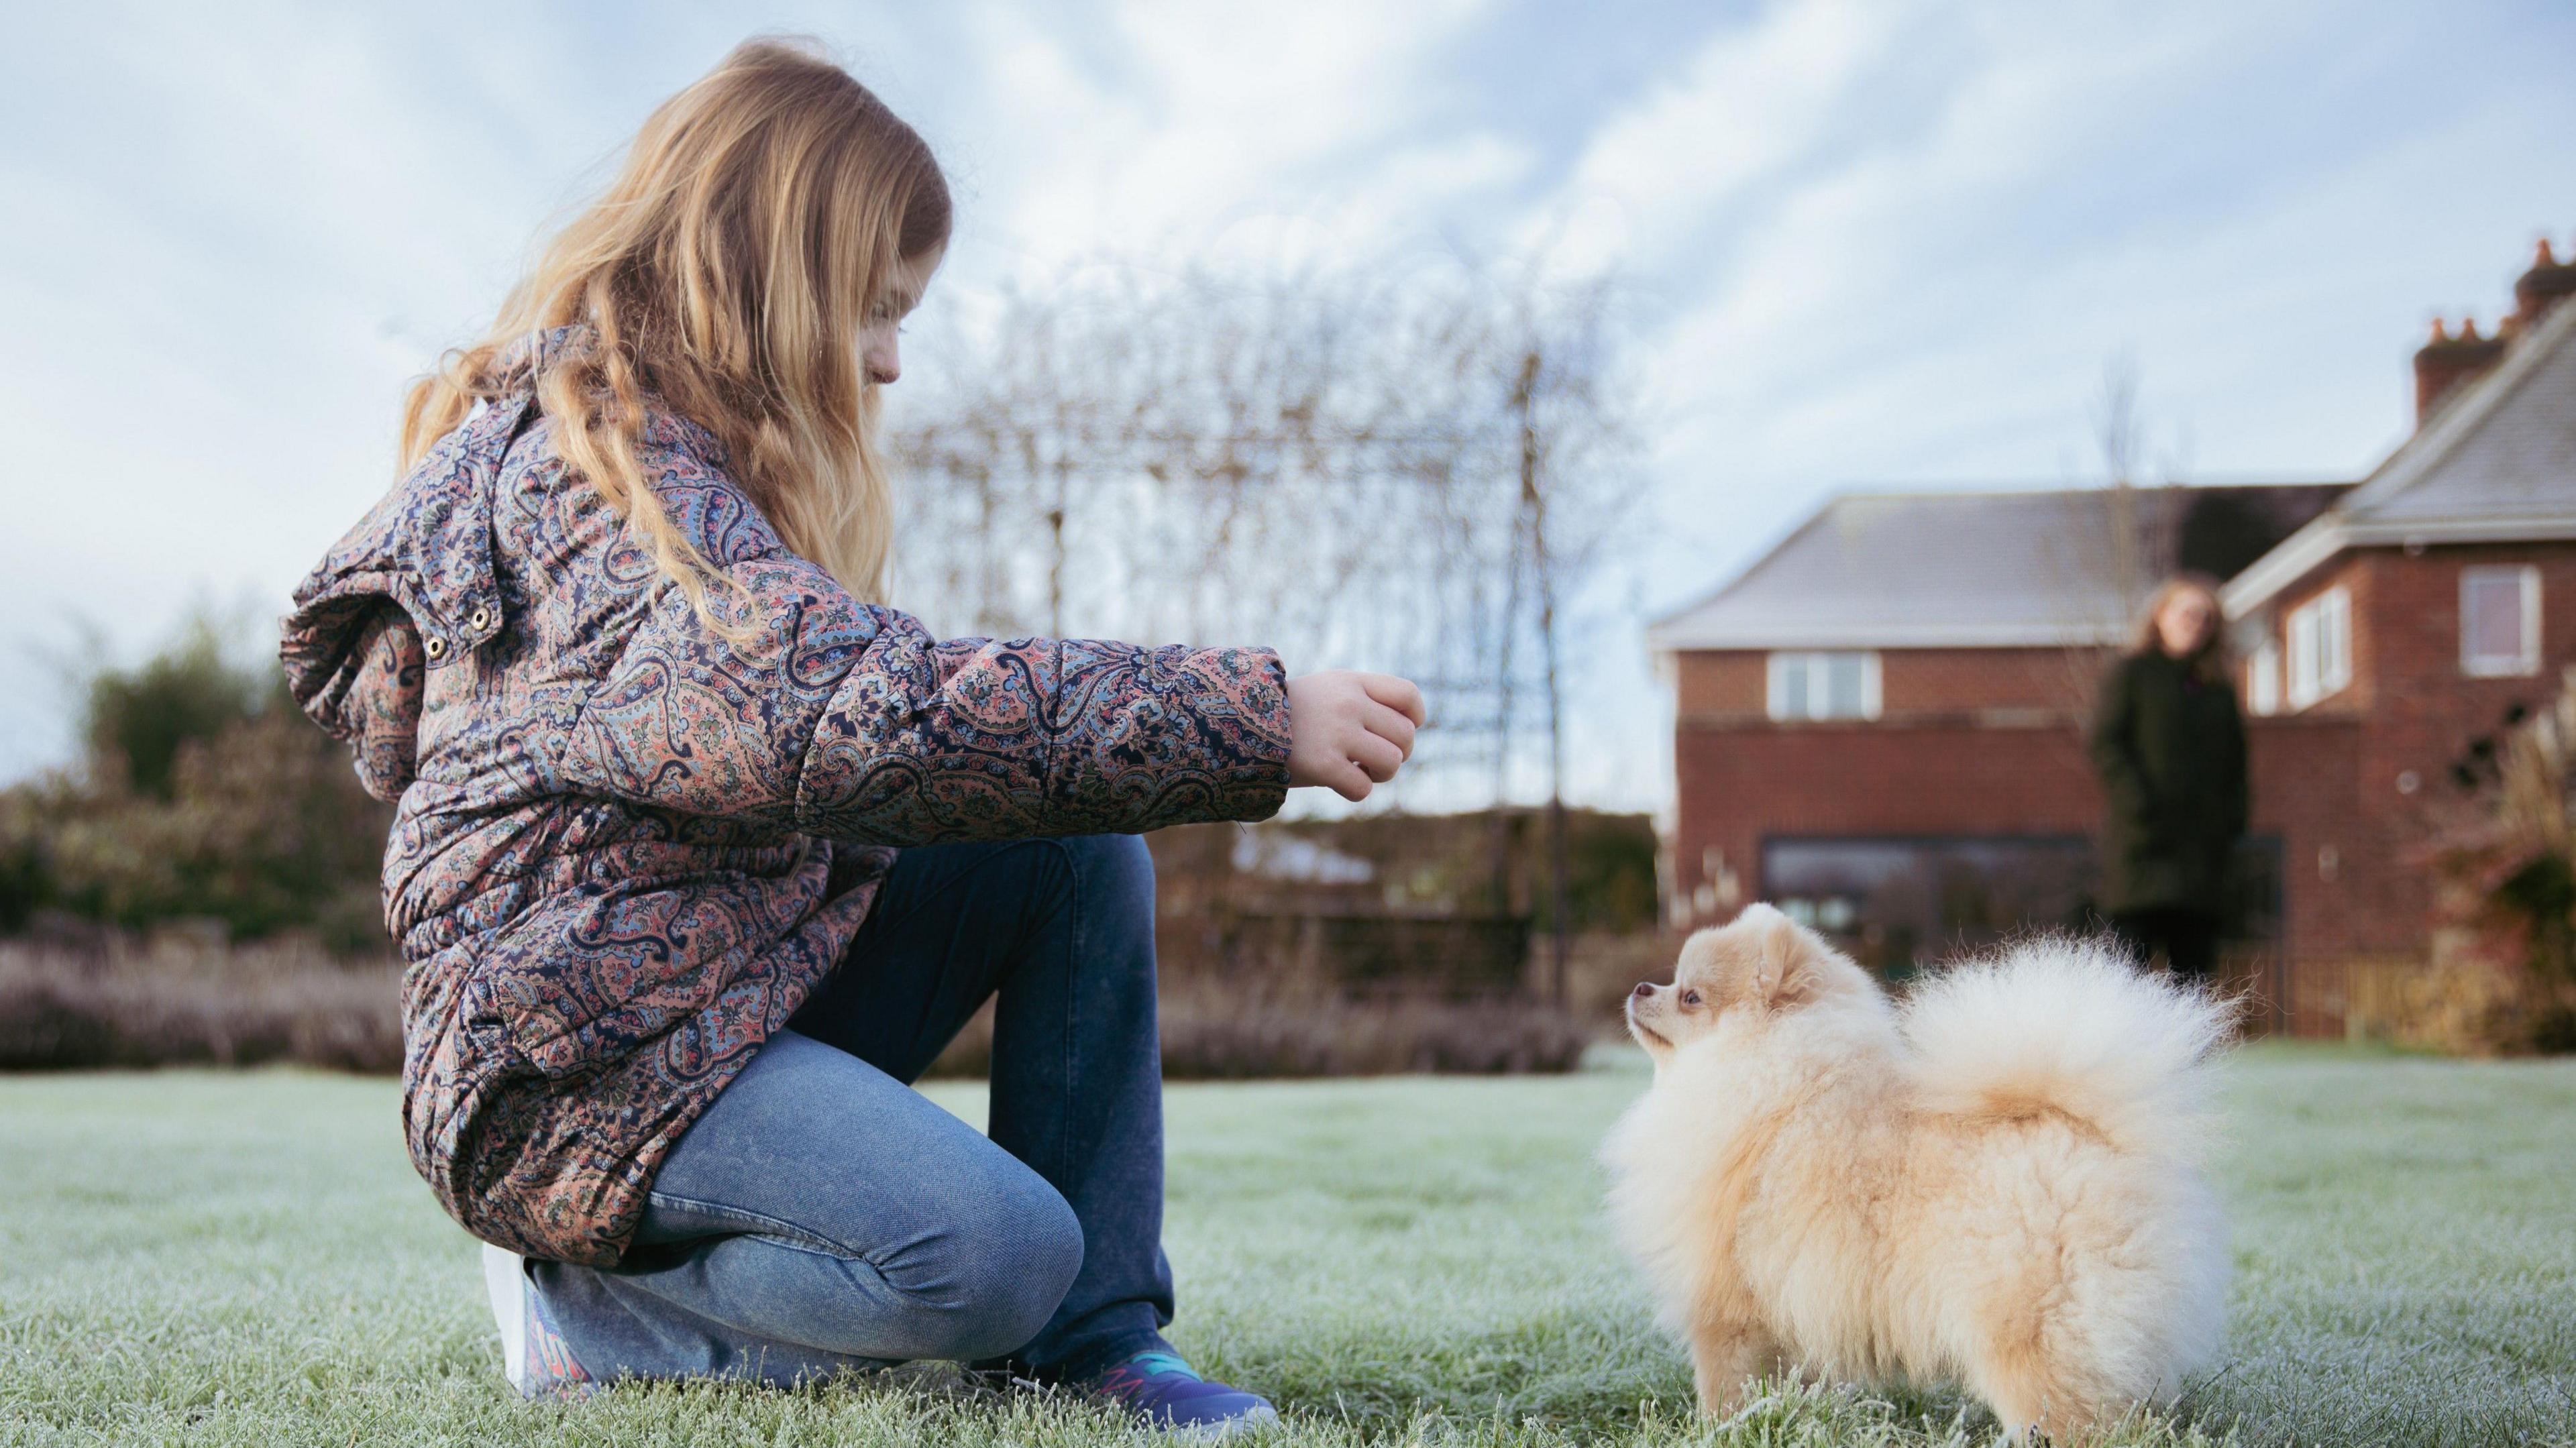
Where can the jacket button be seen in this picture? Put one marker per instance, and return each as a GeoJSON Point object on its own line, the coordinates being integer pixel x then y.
{"type": "Point", "coordinates": [436, 647]}
{"type": "Point", "coordinates": [481, 617]}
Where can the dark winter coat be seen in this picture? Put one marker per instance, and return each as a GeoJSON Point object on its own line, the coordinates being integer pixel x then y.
{"type": "Point", "coordinates": [2170, 747]}
{"type": "Point", "coordinates": [625, 848]}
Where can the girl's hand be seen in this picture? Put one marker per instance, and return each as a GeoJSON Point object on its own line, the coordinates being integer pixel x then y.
{"type": "Point", "coordinates": [1350, 731]}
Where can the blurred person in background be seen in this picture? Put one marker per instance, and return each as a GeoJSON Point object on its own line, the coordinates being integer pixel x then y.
{"type": "Point", "coordinates": [614, 647]}
{"type": "Point", "coordinates": [2169, 744]}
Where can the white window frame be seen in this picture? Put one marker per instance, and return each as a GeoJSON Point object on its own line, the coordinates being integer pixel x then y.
{"type": "Point", "coordinates": [2498, 666]}
{"type": "Point", "coordinates": [2263, 678]}
{"type": "Point", "coordinates": [2319, 644]}
{"type": "Point", "coordinates": [1816, 662]}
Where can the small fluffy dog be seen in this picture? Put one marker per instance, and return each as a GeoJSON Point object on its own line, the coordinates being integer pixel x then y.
{"type": "Point", "coordinates": [1997, 1184]}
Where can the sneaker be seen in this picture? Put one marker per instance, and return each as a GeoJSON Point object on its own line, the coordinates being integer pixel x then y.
{"type": "Point", "coordinates": [1162, 1390]}
{"type": "Point", "coordinates": [532, 1350]}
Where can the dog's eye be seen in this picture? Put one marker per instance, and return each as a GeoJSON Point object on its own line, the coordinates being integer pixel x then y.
{"type": "Point", "coordinates": [1690, 997]}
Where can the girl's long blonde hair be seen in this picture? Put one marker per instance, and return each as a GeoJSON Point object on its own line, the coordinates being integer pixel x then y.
{"type": "Point", "coordinates": [726, 274]}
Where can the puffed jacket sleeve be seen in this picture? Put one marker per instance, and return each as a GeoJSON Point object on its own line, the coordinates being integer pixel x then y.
{"type": "Point", "coordinates": [816, 713]}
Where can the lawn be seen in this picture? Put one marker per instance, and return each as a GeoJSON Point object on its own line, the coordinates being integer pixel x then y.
{"type": "Point", "coordinates": [247, 1259]}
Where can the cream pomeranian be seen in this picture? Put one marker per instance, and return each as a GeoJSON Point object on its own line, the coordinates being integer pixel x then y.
{"type": "Point", "coordinates": [1997, 1184]}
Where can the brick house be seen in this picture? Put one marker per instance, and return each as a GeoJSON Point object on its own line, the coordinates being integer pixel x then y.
{"type": "Point", "coordinates": [1879, 723]}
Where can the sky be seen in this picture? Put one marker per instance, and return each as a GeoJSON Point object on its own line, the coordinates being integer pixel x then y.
{"type": "Point", "coordinates": [1862, 243]}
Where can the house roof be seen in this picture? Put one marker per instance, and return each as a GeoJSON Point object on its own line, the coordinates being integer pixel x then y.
{"type": "Point", "coordinates": [2497, 463]}
{"type": "Point", "coordinates": [1985, 569]}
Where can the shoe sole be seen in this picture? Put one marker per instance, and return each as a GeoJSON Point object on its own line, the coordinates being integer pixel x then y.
{"type": "Point", "coordinates": [505, 1282]}
{"type": "Point", "coordinates": [1223, 1428]}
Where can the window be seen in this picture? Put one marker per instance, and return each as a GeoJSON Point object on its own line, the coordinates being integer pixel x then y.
{"type": "Point", "coordinates": [1824, 686]}
{"type": "Point", "coordinates": [2499, 621]}
{"type": "Point", "coordinates": [2320, 634]}
{"type": "Point", "coordinates": [1895, 901]}
{"type": "Point", "coordinates": [2263, 677]}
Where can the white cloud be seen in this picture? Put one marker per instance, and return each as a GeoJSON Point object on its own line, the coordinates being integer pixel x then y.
{"type": "Point", "coordinates": [1215, 115]}
{"type": "Point", "coordinates": [1752, 102]}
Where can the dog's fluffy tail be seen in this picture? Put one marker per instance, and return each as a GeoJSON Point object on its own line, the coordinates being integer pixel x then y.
{"type": "Point", "coordinates": [2069, 1026]}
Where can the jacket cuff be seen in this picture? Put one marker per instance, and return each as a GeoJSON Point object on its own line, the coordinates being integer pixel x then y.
{"type": "Point", "coordinates": [1166, 736]}
{"type": "Point", "coordinates": [1245, 697]}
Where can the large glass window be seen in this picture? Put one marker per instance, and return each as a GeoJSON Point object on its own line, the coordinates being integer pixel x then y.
{"type": "Point", "coordinates": [1898, 903]}
{"type": "Point", "coordinates": [2500, 621]}
{"type": "Point", "coordinates": [1841, 685]}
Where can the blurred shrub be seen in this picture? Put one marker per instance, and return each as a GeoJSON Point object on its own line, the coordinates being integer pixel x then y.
{"type": "Point", "coordinates": [265, 828]}
{"type": "Point", "coordinates": [113, 1003]}
{"type": "Point", "coordinates": [26, 880]}
{"type": "Point", "coordinates": [203, 795]}
{"type": "Point", "coordinates": [2506, 879]}
{"type": "Point", "coordinates": [136, 722]}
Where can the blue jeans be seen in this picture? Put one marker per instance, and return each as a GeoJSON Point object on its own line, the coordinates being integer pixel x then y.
{"type": "Point", "coordinates": [822, 1214]}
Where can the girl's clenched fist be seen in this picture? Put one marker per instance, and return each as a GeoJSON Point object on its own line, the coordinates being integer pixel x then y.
{"type": "Point", "coordinates": [1350, 731]}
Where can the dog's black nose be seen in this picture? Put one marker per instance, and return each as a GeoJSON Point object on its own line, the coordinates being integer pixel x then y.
{"type": "Point", "coordinates": [1644, 988]}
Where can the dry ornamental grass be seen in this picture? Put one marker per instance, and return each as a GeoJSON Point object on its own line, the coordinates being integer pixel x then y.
{"type": "Point", "coordinates": [117, 1002]}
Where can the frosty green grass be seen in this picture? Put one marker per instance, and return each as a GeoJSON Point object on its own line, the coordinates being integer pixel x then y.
{"type": "Point", "coordinates": [247, 1259]}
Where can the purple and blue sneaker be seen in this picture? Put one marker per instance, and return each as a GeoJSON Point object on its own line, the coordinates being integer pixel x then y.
{"type": "Point", "coordinates": [533, 1353]}
{"type": "Point", "coordinates": [1162, 1390]}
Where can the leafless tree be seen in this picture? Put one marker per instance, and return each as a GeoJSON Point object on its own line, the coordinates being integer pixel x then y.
{"type": "Point", "coordinates": [1574, 446]}
{"type": "Point", "coordinates": [1416, 464]}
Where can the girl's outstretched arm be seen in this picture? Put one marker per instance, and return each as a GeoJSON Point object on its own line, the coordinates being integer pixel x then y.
{"type": "Point", "coordinates": [848, 720]}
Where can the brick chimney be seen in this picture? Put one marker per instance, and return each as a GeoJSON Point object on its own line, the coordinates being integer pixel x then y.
{"type": "Point", "coordinates": [2549, 282]}
{"type": "Point", "coordinates": [2451, 361]}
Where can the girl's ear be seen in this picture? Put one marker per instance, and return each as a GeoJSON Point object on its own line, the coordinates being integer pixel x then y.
{"type": "Point", "coordinates": [1785, 973]}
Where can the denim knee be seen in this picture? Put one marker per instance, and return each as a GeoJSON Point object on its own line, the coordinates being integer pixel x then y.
{"type": "Point", "coordinates": [1111, 858]}
{"type": "Point", "coordinates": [1115, 875]}
{"type": "Point", "coordinates": [1013, 1276]}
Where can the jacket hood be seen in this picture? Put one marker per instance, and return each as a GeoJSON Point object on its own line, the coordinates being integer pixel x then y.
{"type": "Point", "coordinates": [411, 588]}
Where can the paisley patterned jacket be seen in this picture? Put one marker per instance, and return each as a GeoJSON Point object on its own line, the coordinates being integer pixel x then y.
{"type": "Point", "coordinates": [626, 848]}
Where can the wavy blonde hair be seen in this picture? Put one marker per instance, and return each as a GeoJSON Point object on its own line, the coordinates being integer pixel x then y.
{"type": "Point", "coordinates": [726, 275]}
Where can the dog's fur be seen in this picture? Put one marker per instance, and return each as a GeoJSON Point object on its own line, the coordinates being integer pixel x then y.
{"type": "Point", "coordinates": [1997, 1184]}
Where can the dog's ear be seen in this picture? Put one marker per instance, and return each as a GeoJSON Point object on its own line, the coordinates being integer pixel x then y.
{"type": "Point", "coordinates": [1785, 970]}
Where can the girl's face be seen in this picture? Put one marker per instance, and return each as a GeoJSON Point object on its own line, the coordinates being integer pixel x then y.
{"type": "Point", "coordinates": [880, 351]}
{"type": "Point", "coordinates": [2185, 622]}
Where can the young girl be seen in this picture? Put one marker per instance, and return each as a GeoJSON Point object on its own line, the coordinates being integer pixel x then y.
{"type": "Point", "coordinates": [2169, 745]}
{"type": "Point", "coordinates": [614, 649]}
